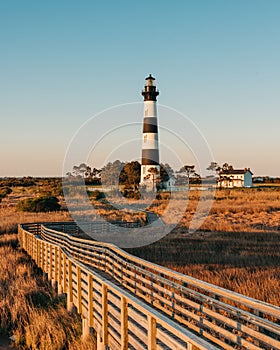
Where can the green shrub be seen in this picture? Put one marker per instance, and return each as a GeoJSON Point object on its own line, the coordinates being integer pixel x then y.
{"type": "Point", "coordinates": [41, 204]}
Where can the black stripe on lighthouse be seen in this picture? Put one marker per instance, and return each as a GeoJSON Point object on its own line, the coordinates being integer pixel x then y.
{"type": "Point", "coordinates": [150, 125]}
{"type": "Point", "coordinates": [150, 157]}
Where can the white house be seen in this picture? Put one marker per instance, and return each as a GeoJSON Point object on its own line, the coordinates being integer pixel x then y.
{"type": "Point", "coordinates": [169, 185]}
{"type": "Point", "coordinates": [235, 178]}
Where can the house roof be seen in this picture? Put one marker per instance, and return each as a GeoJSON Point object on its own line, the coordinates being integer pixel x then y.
{"type": "Point", "coordinates": [235, 171]}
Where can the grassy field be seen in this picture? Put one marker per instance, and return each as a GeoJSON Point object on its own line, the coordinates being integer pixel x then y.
{"type": "Point", "coordinates": [29, 308]}
{"type": "Point", "coordinates": [237, 247]}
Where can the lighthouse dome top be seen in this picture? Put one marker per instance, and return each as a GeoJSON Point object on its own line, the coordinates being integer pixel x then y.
{"type": "Point", "coordinates": [150, 80]}
{"type": "Point", "coordinates": [150, 77]}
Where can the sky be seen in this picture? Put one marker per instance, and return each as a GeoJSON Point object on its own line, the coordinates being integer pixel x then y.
{"type": "Point", "coordinates": [63, 62]}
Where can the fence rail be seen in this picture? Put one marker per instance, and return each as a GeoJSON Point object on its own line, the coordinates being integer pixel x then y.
{"type": "Point", "coordinates": [172, 304]}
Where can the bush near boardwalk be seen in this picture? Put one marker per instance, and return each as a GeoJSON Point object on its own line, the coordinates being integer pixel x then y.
{"type": "Point", "coordinates": [41, 204]}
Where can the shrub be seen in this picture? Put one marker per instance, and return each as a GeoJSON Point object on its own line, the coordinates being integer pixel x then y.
{"type": "Point", "coordinates": [41, 204]}
{"type": "Point", "coordinates": [131, 193]}
{"type": "Point", "coordinates": [4, 191]}
{"type": "Point", "coordinates": [96, 195]}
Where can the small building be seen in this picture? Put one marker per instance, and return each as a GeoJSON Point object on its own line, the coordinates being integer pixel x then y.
{"type": "Point", "coordinates": [235, 178]}
{"type": "Point", "coordinates": [169, 185]}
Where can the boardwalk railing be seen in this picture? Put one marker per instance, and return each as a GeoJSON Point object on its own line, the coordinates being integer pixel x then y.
{"type": "Point", "coordinates": [106, 285]}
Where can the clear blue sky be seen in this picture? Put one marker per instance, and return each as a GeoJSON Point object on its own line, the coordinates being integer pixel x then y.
{"type": "Point", "coordinates": [216, 61]}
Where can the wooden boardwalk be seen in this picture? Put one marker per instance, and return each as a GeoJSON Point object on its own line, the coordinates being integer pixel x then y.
{"type": "Point", "coordinates": [134, 304]}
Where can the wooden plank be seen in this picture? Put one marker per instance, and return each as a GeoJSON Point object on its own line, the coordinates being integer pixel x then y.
{"type": "Point", "coordinates": [64, 263]}
{"type": "Point", "coordinates": [50, 261]}
{"type": "Point", "coordinates": [70, 282]}
{"type": "Point", "coordinates": [79, 290]}
{"type": "Point", "coordinates": [152, 333]}
{"type": "Point", "coordinates": [124, 324]}
{"type": "Point", "coordinates": [104, 314]}
{"type": "Point", "coordinates": [55, 263]}
{"type": "Point", "coordinates": [90, 301]}
{"type": "Point", "coordinates": [167, 339]}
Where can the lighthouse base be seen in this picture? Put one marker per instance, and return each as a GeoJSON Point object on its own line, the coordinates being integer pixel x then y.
{"type": "Point", "coordinates": [150, 175]}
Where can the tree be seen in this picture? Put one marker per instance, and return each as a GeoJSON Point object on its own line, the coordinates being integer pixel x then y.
{"type": "Point", "coordinates": [227, 167]}
{"type": "Point", "coordinates": [82, 170]}
{"type": "Point", "coordinates": [130, 174]}
{"type": "Point", "coordinates": [91, 176]}
{"type": "Point", "coordinates": [154, 176]}
{"type": "Point", "coordinates": [165, 172]}
{"type": "Point", "coordinates": [130, 178]}
{"type": "Point", "coordinates": [187, 171]}
{"type": "Point", "coordinates": [214, 167]}
{"type": "Point", "coordinates": [111, 174]}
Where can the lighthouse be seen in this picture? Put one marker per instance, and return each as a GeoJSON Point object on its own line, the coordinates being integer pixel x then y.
{"type": "Point", "coordinates": [150, 147]}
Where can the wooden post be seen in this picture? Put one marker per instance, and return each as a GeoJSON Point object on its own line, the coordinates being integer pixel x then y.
{"type": "Point", "coordinates": [124, 324]}
{"type": "Point", "coordinates": [50, 262]}
{"type": "Point", "coordinates": [59, 281]}
{"type": "Point", "coordinates": [64, 273]}
{"type": "Point", "coordinates": [99, 343]}
{"type": "Point", "coordinates": [70, 305]}
{"type": "Point", "coordinates": [40, 255]}
{"type": "Point", "coordinates": [104, 315]}
{"type": "Point", "coordinates": [46, 248]}
{"type": "Point", "coordinates": [90, 301]}
{"type": "Point", "coordinates": [55, 264]}
{"type": "Point", "coordinates": [79, 289]}
{"type": "Point", "coordinates": [85, 328]}
{"type": "Point", "coordinates": [152, 336]}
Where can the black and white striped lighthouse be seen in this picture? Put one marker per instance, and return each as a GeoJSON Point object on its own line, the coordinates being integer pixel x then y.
{"type": "Point", "coordinates": [150, 147]}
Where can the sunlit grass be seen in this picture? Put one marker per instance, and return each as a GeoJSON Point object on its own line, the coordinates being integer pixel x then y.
{"type": "Point", "coordinates": [29, 308]}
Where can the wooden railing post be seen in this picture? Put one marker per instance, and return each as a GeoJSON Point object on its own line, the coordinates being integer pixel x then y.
{"type": "Point", "coordinates": [152, 333]}
{"type": "Point", "coordinates": [90, 301]}
{"type": "Point", "coordinates": [50, 262]}
{"type": "Point", "coordinates": [124, 324]}
{"type": "Point", "coordinates": [64, 274]}
{"type": "Point", "coordinates": [54, 263]}
{"type": "Point", "coordinates": [39, 250]}
{"type": "Point", "coordinates": [45, 257]}
{"type": "Point", "coordinates": [79, 289]}
{"type": "Point", "coordinates": [104, 315]}
{"type": "Point", "coordinates": [59, 276]}
{"type": "Point", "coordinates": [70, 288]}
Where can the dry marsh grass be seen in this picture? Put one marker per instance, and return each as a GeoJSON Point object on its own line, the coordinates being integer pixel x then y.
{"type": "Point", "coordinates": [232, 210]}
{"type": "Point", "coordinates": [237, 247]}
{"type": "Point", "coordinates": [247, 263]}
{"type": "Point", "coordinates": [29, 309]}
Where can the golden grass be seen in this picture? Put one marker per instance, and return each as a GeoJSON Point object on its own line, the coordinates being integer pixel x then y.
{"type": "Point", "coordinates": [29, 309]}
{"type": "Point", "coordinates": [233, 210]}
{"type": "Point", "coordinates": [108, 212]}
{"type": "Point", "coordinates": [10, 218]}
{"type": "Point", "coordinates": [247, 263]}
{"type": "Point", "coordinates": [237, 247]}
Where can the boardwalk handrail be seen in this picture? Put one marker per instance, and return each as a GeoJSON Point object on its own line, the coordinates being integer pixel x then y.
{"type": "Point", "coordinates": [228, 319]}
